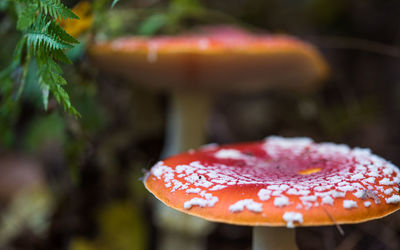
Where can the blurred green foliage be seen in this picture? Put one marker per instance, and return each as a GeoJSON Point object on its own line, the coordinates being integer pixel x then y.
{"type": "Point", "coordinates": [171, 18]}
{"type": "Point", "coordinates": [161, 18]}
{"type": "Point", "coordinates": [44, 130]}
{"type": "Point", "coordinates": [44, 41]}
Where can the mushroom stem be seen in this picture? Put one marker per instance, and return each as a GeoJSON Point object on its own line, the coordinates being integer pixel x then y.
{"type": "Point", "coordinates": [186, 121]}
{"type": "Point", "coordinates": [186, 129]}
{"type": "Point", "coordinates": [274, 238]}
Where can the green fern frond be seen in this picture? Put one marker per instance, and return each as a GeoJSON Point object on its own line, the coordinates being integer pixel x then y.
{"type": "Point", "coordinates": [56, 9]}
{"type": "Point", "coordinates": [56, 30]}
{"type": "Point", "coordinates": [44, 41]}
{"type": "Point", "coordinates": [48, 35]}
{"type": "Point", "coordinates": [60, 56]}
{"type": "Point", "coordinates": [49, 76]}
{"type": "Point", "coordinates": [26, 15]}
{"type": "Point", "coordinates": [18, 53]}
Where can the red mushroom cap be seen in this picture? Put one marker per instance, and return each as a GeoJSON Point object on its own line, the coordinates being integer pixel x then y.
{"type": "Point", "coordinates": [277, 182]}
{"type": "Point", "coordinates": [218, 58]}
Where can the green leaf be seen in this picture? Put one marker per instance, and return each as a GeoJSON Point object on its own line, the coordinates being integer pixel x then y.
{"type": "Point", "coordinates": [59, 55]}
{"type": "Point", "coordinates": [152, 24]}
{"type": "Point", "coordinates": [45, 96]}
{"type": "Point", "coordinates": [38, 41]}
{"type": "Point", "coordinates": [48, 35]}
{"type": "Point", "coordinates": [56, 9]}
{"type": "Point", "coordinates": [18, 52]}
{"type": "Point", "coordinates": [49, 76]}
{"type": "Point", "coordinates": [27, 16]}
{"type": "Point", "coordinates": [55, 29]}
{"type": "Point", "coordinates": [114, 3]}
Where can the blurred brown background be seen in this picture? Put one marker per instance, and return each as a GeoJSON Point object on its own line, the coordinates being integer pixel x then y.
{"type": "Point", "coordinates": [75, 183]}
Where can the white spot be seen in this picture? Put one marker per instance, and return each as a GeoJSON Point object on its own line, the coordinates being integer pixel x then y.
{"type": "Point", "coordinates": [294, 191]}
{"type": "Point", "coordinates": [358, 176]}
{"type": "Point", "coordinates": [278, 189]}
{"type": "Point", "coordinates": [393, 199]}
{"type": "Point", "coordinates": [168, 176]}
{"type": "Point", "coordinates": [184, 168]}
{"type": "Point", "coordinates": [282, 141]}
{"type": "Point", "coordinates": [327, 200]}
{"type": "Point", "coordinates": [388, 191]}
{"type": "Point", "coordinates": [229, 154]}
{"type": "Point", "coordinates": [346, 188]}
{"type": "Point", "coordinates": [277, 193]}
{"type": "Point", "coordinates": [264, 194]}
{"type": "Point", "coordinates": [337, 194]}
{"type": "Point", "coordinates": [386, 181]}
{"type": "Point", "coordinates": [117, 45]}
{"type": "Point", "coordinates": [291, 217]}
{"type": "Point", "coordinates": [159, 169]}
{"type": "Point", "coordinates": [198, 180]}
{"type": "Point", "coordinates": [359, 193]}
{"type": "Point", "coordinates": [373, 173]}
{"type": "Point", "coordinates": [275, 144]}
{"type": "Point", "coordinates": [367, 203]}
{"type": "Point", "coordinates": [177, 185]}
{"type": "Point", "coordinates": [335, 179]}
{"type": "Point", "coordinates": [281, 201]}
{"type": "Point", "coordinates": [203, 44]}
{"type": "Point", "coordinates": [361, 151]}
{"type": "Point", "coordinates": [387, 171]}
{"type": "Point", "coordinates": [217, 187]}
{"type": "Point", "coordinates": [349, 204]}
{"type": "Point", "coordinates": [152, 52]}
{"type": "Point", "coordinates": [192, 178]}
{"type": "Point", "coordinates": [250, 204]}
{"type": "Point", "coordinates": [197, 165]}
{"type": "Point", "coordinates": [308, 198]}
{"type": "Point", "coordinates": [321, 188]}
{"type": "Point", "coordinates": [200, 202]}
{"type": "Point", "coordinates": [370, 180]}
{"type": "Point", "coordinates": [193, 190]}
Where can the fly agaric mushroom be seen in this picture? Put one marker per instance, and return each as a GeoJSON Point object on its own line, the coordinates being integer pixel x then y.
{"type": "Point", "coordinates": [278, 182]}
{"type": "Point", "coordinates": [194, 66]}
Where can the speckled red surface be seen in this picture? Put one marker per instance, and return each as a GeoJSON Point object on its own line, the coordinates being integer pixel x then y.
{"type": "Point", "coordinates": [277, 182]}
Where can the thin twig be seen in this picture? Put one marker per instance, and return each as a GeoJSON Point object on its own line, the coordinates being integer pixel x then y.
{"type": "Point", "coordinates": [339, 228]}
{"type": "Point", "coordinates": [356, 44]}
